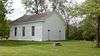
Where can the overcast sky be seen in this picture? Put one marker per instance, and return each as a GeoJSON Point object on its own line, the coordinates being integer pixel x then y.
{"type": "Point", "coordinates": [19, 9]}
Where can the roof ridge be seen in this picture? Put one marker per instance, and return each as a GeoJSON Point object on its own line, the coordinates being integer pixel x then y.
{"type": "Point", "coordinates": [34, 17]}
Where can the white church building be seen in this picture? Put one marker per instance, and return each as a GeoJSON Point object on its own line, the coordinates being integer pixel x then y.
{"type": "Point", "coordinates": [38, 27]}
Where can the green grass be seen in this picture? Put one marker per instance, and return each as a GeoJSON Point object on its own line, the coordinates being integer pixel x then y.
{"type": "Point", "coordinates": [69, 48]}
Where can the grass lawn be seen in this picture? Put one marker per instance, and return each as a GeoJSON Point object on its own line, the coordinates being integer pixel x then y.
{"type": "Point", "coordinates": [69, 48]}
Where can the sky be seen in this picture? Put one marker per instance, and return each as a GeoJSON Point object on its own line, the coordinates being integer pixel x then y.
{"type": "Point", "coordinates": [19, 9]}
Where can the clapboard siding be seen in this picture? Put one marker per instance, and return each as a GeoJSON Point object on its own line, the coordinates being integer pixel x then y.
{"type": "Point", "coordinates": [55, 24]}
{"type": "Point", "coordinates": [28, 32]}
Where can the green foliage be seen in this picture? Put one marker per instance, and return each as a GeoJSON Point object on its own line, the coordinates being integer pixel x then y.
{"type": "Point", "coordinates": [90, 11]}
{"type": "Point", "coordinates": [3, 10]}
{"type": "Point", "coordinates": [88, 8]}
{"type": "Point", "coordinates": [87, 31]}
{"type": "Point", "coordinates": [4, 25]}
{"type": "Point", "coordinates": [74, 33]}
{"type": "Point", "coordinates": [4, 29]}
{"type": "Point", "coordinates": [88, 28]}
{"type": "Point", "coordinates": [92, 7]}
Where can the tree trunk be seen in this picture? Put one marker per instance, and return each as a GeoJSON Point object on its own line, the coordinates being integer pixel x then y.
{"type": "Point", "coordinates": [67, 23]}
{"type": "Point", "coordinates": [98, 32]}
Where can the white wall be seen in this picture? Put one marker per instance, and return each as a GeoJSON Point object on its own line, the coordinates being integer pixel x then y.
{"type": "Point", "coordinates": [54, 23]}
{"type": "Point", "coordinates": [28, 35]}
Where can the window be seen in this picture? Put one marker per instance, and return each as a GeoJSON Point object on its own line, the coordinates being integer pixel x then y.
{"type": "Point", "coordinates": [23, 31]}
{"type": "Point", "coordinates": [59, 30]}
{"type": "Point", "coordinates": [48, 30]}
{"type": "Point", "coordinates": [15, 31]}
{"type": "Point", "coordinates": [33, 30]}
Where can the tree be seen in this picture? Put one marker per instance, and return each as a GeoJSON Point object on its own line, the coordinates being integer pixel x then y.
{"type": "Point", "coordinates": [4, 26]}
{"type": "Point", "coordinates": [2, 10]}
{"type": "Point", "coordinates": [88, 28]}
{"type": "Point", "coordinates": [91, 9]}
{"type": "Point", "coordinates": [4, 31]}
{"type": "Point", "coordinates": [34, 6]}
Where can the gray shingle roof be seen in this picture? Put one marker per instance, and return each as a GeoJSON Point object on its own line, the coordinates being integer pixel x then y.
{"type": "Point", "coordinates": [27, 18]}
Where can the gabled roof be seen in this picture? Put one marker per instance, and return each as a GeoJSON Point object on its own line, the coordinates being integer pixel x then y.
{"type": "Point", "coordinates": [27, 18]}
{"type": "Point", "coordinates": [33, 18]}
